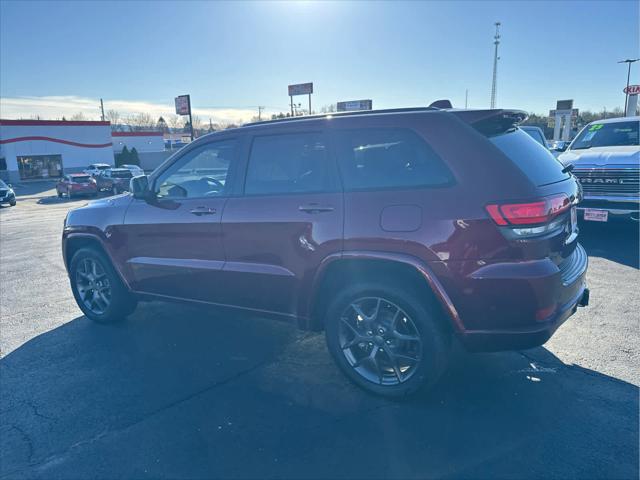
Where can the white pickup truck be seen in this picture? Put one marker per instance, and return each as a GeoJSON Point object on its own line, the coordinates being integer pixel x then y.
{"type": "Point", "coordinates": [605, 156]}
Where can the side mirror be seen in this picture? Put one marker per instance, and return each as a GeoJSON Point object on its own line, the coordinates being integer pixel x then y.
{"type": "Point", "coordinates": [139, 187]}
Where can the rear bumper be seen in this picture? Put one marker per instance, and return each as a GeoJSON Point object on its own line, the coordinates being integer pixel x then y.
{"type": "Point", "coordinates": [527, 337]}
{"type": "Point", "coordinates": [619, 208]}
{"type": "Point", "coordinates": [521, 305]}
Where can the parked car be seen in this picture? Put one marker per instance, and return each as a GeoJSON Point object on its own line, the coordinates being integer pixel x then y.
{"type": "Point", "coordinates": [75, 184]}
{"type": "Point", "coordinates": [134, 169]}
{"type": "Point", "coordinates": [536, 133]}
{"type": "Point", "coordinates": [114, 180]}
{"type": "Point", "coordinates": [393, 231]}
{"type": "Point", "coordinates": [7, 195]}
{"type": "Point", "coordinates": [605, 157]}
{"type": "Point", "coordinates": [557, 147]}
{"type": "Point", "coordinates": [96, 168]}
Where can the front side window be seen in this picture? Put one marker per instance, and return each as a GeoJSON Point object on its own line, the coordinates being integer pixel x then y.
{"type": "Point", "coordinates": [380, 158]}
{"type": "Point", "coordinates": [289, 163]}
{"type": "Point", "coordinates": [616, 134]}
{"type": "Point", "coordinates": [203, 172]}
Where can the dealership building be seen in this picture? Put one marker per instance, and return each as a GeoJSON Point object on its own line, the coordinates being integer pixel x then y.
{"type": "Point", "coordinates": [44, 149]}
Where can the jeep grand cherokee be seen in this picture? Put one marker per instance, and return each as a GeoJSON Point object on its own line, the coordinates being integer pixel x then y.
{"type": "Point", "coordinates": [393, 231]}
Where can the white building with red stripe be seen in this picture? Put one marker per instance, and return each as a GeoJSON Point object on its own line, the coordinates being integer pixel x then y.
{"type": "Point", "coordinates": [45, 149]}
{"type": "Point", "coordinates": [41, 149]}
{"type": "Point", "coordinates": [143, 142]}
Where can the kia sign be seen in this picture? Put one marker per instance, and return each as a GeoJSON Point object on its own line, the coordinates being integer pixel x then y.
{"type": "Point", "coordinates": [355, 105]}
{"type": "Point", "coordinates": [301, 89]}
{"type": "Point", "coordinates": [183, 105]}
{"type": "Point", "coordinates": [632, 90]}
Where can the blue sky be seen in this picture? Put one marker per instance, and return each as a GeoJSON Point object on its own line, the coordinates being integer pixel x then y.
{"type": "Point", "coordinates": [59, 57]}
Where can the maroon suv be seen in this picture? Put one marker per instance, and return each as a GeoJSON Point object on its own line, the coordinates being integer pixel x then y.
{"type": "Point", "coordinates": [394, 231]}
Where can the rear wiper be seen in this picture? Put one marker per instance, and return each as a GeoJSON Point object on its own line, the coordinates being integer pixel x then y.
{"type": "Point", "coordinates": [568, 168]}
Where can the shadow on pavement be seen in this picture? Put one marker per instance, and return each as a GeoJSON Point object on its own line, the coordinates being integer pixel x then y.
{"type": "Point", "coordinates": [615, 241]}
{"type": "Point", "coordinates": [33, 188]}
{"type": "Point", "coordinates": [54, 199]}
{"type": "Point", "coordinates": [178, 392]}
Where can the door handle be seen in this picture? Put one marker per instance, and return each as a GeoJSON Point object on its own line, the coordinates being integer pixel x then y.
{"type": "Point", "coordinates": [203, 211]}
{"type": "Point", "coordinates": [315, 208]}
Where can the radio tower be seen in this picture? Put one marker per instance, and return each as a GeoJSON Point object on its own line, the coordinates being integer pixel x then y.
{"type": "Point", "coordinates": [494, 86]}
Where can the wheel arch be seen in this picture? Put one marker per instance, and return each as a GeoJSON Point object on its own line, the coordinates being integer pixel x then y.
{"type": "Point", "coordinates": [75, 241]}
{"type": "Point", "coordinates": [341, 269]}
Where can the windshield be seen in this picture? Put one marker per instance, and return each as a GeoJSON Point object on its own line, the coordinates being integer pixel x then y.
{"type": "Point", "coordinates": [3, 185]}
{"type": "Point", "coordinates": [121, 174]}
{"type": "Point", "coordinates": [102, 167]}
{"type": "Point", "coordinates": [607, 135]}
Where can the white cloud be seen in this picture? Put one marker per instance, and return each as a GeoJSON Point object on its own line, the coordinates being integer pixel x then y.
{"type": "Point", "coordinates": [56, 107]}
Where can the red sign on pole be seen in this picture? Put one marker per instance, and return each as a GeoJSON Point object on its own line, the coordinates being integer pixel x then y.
{"type": "Point", "coordinates": [632, 90]}
{"type": "Point", "coordinates": [183, 105]}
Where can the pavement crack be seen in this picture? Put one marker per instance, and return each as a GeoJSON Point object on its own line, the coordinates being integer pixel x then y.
{"type": "Point", "coordinates": [59, 456]}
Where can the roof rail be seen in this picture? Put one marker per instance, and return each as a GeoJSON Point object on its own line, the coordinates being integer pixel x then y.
{"type": "Point", "coordinates": [343, 114]}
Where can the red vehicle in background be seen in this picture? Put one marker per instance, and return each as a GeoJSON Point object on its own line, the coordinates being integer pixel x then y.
{"type": "Point", "coordinates": [75, 184]}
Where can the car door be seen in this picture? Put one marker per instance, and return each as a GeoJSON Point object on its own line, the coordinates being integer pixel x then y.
{"type": "Point", "coordinates": [173, 242]}
{"type": "Point", "coordinates": [286, 221]}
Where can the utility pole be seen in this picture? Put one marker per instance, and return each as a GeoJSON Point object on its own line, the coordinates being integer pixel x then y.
{"type": "Point", "coordinates": [628, 61]}
{"type": "Point", "coordinates": [466, 98]}
{"type": "Point", "coordinates": [494, 86]}
{"type": "Point", "coordinates": [102, 109]}
{"type": "Point", "coordinates": [260, 113]}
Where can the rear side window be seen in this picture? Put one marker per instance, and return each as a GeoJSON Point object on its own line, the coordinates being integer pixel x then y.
{"type": "Point", "coordinates": [289, 163]}
{"type": "Point", "coordinates": [376, 158]}
{"type": "Point", "coordinates": [533, 159]}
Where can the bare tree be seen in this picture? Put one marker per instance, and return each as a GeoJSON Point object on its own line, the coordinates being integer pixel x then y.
{"type": "Point", "coordinates": [197, 123]}
{"type": "Point", "coordinates": [140, 121]}
{"type": "Point", "coordinates": [175, 122]}
{"type": "Point", "coordinates": [78, 117]}
{"type": "Point", "coordinates": [114, 117]}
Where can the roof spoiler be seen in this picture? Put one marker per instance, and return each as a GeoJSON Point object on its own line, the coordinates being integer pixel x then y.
{"type": "Point", "coordinates": [441, 104]}
{"type": "Point", "coordinates": [492, 122]}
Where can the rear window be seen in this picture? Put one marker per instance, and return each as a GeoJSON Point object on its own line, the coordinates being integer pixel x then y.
{"type": "Point", "coordinates": [102, 167]}
{"type": "Point", "coordinates": [533, 159]}
{"type": "Point", "coordinates": [388, 158]}
{"type": "Point", "coordinates": [121, 174]}
{"type": "Point", "coordinates": [80, 178]}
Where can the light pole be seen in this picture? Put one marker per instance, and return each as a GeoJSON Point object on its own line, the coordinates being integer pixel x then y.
{"type": "Point", "coordinates": [628, 61]}
{"type": "Point", "coordinates": [494, 83]}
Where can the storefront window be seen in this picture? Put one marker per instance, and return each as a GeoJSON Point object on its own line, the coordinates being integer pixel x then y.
{"type": "Point", "coordinates": [40, 166]}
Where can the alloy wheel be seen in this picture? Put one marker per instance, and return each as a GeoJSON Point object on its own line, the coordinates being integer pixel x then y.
{"type": "Point", "coordinates": [380, 341]}
{"type": "Point", "coordinates": [93, 286]}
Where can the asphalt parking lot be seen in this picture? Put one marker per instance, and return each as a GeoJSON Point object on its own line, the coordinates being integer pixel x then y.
{"type": "Point", "coordinates": [185, 392]}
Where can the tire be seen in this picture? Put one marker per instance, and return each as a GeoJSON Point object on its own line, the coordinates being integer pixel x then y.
{"type": "Point", "coordinates": [59, 194]}
{"type": "Point", "coordinates": [419, 320]}
{"type": "Point", "coordinates": [12, 203]}
{"type": "Point", "coordinates": [111, 306]}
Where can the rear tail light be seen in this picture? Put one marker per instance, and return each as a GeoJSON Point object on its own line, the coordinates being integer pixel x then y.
{"type": "Point", "coordinates": [532, 213]}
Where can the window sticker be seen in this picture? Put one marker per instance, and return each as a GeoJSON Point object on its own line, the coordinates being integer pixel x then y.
{"type": "Point", "coordinates": [596, 127]}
